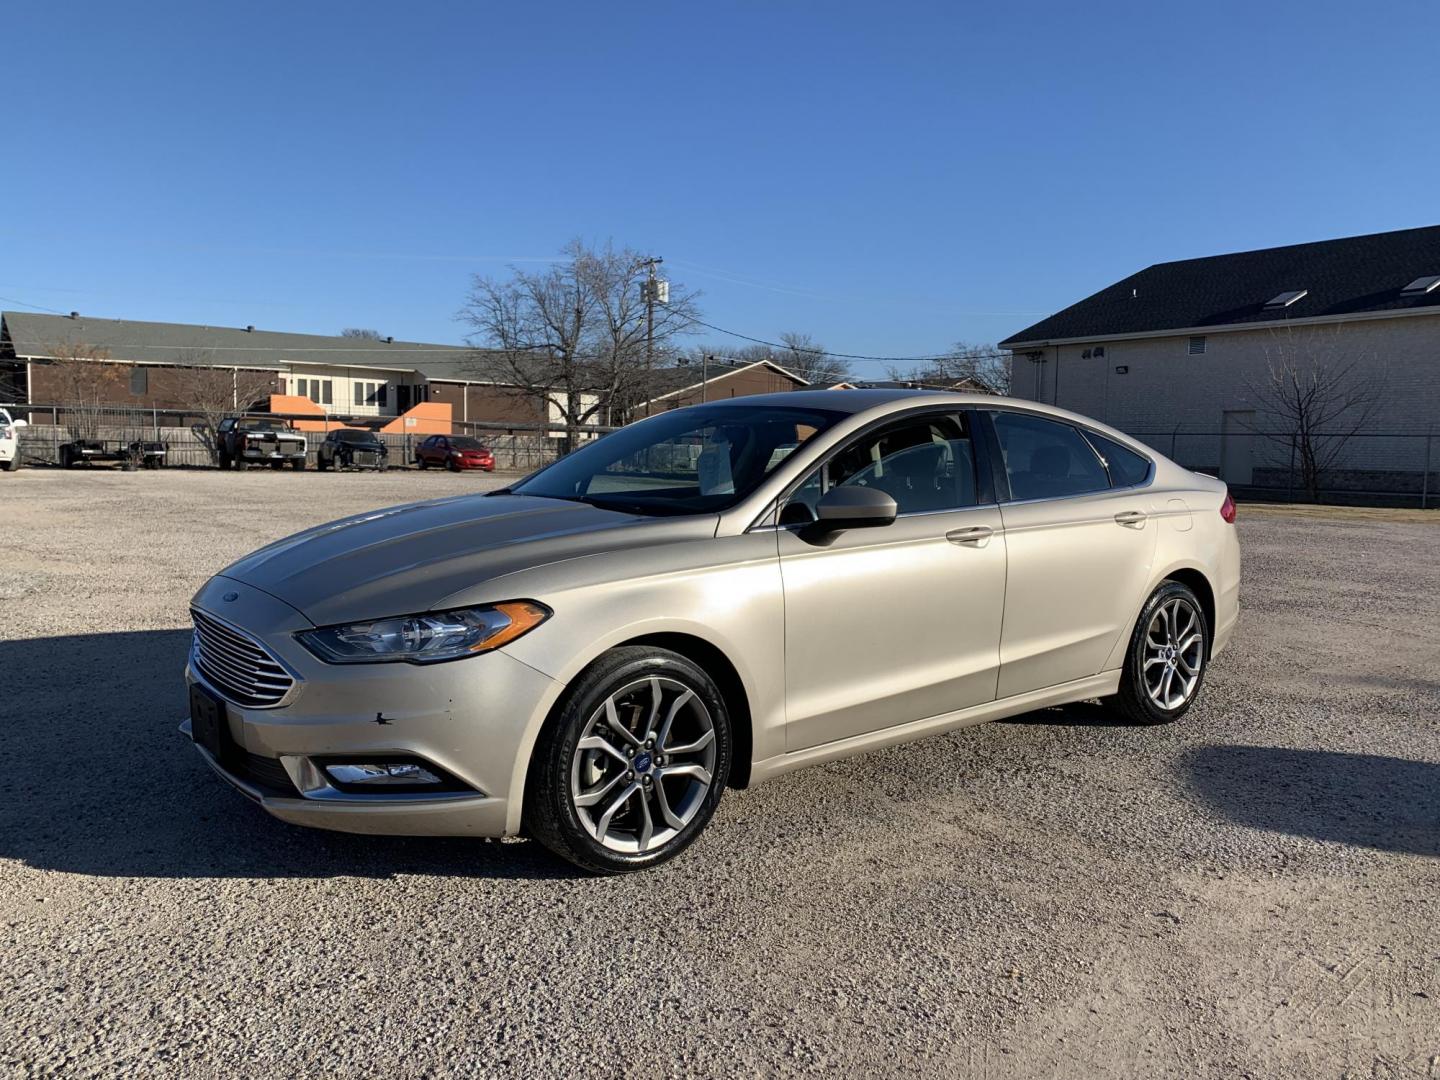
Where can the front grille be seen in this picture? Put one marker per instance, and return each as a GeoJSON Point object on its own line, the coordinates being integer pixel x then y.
{"type": "Point", "coordinates": [238, 667]}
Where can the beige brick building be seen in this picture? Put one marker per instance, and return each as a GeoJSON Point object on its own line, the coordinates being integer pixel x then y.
{"type": "Point", "coordinates": [1179, 353]}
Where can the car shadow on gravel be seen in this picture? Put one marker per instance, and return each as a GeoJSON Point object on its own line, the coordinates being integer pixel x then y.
{"type": "Point", "coordinates": [97, 780]}
{"type": "Point", "coordinates": [1075, 714]}
{"type": "Point", "coordinates": [1364, 800]}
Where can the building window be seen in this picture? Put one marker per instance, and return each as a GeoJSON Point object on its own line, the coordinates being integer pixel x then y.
{"type": "Point", "coordinates": [327, 392]}
{"type": "Point", "coordinates": [359, 394]}
{"type": "Point", "coordinates": [1197, 346]}
{"type": "Point", "coordinates": [139, 380]}
{"type": "Point", "coordinates": [381, 394]}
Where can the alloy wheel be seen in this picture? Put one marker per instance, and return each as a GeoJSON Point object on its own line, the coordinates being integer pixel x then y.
{"type": "Point", "coordinates": [643, 765]}
{"type": "Point", "coordinates": [1174, 653]}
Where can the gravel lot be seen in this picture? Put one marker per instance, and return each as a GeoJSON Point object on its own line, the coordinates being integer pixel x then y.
{"type": "Point", "coordinates": [1252, 892]}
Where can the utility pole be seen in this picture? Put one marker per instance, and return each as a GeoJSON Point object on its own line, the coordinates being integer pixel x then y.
{"type": "Point", "coordinates": [652, 290]}
{"type": "Point", "coordinates": [705, 379]}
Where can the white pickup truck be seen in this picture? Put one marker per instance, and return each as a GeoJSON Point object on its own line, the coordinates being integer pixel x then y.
{"type": "Point", "coordinates": [9, 442]}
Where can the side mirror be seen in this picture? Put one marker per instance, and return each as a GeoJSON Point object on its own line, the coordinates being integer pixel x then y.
{"type": "Point", "coordinates": [854, 508]}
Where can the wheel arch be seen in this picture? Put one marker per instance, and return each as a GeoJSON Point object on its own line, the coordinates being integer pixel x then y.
{"type": "Point", "coordinates": [720, 668]}
{"type": "Point", "coordinates": [1196, 581]}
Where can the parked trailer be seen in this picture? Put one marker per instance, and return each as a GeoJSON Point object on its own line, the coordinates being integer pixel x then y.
{"type": "Point", "coordinates": [149, 455]}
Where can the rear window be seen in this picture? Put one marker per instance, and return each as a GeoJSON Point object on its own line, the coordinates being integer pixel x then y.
{"type": "Point", "coordinates": [1127, 468]}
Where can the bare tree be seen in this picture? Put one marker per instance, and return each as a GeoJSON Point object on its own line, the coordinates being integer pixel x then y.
{"type": "Point", "coordinates": [213, 393]}
{"type": "Point", "coordinates": [88, 384]}
{"type": "Point", "coordinates": [574, 335]}
{"type": "Point", "coordinates": [982, 368]}
{"type": "Point", "coordinates": [1319, 392]}
{"type": "Point", "coordinates": [798, 353]}
{"type": "Point", "coordinates": [357, 332]}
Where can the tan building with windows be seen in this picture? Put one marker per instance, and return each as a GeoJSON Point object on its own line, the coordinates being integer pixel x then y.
{"type": "Point", "coordinates": [377, 382]}
{"type": "Point", "coordinates": [1180, 355]}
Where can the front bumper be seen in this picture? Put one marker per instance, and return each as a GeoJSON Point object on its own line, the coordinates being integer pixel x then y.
{"type": "Point", "coordinates": [474, 718]}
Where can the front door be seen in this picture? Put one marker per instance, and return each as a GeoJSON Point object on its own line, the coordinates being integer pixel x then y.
{"type": "Point", "coordinates": [888, 625]}
{"type": "Point", "coordinates": [1079, 554]}
{"type": "Point", "coordinates": [1237, 447]}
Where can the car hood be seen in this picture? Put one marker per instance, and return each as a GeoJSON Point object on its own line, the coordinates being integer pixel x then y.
{"type": "Point", "coordinates": [409, 558]}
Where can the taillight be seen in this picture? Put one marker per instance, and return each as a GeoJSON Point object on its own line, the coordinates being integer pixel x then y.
{"type": "Point", "coordinates": [1227, 509]}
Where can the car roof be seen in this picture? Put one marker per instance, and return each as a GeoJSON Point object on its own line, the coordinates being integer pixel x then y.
{"type": "Point", "coordinates": [880, 402]}
{"type": "Point", "coordinates": [856, 401]}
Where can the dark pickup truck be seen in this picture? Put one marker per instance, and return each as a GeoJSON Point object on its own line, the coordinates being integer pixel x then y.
{"type": "Point", "coordinates": [259, 440]}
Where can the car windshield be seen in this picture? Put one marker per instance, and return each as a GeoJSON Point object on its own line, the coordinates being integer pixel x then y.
{"type": "Point", "coordinates": [356, 436]}
{"type": "Point", "coordinates": [254, 424]}
{"type": "Point", "coordinates": [461, 442]}
{"type": "Point", "coordinates": [699, 460]}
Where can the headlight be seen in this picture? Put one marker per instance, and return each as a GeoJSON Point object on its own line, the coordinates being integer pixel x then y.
{"type": "Point", "coordinates": [428, 637]}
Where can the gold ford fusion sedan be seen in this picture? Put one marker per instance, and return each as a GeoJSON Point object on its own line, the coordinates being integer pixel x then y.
{"type": "Point", "coordinates": [706, 599]}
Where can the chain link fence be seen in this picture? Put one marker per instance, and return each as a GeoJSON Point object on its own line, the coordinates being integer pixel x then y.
{"type": "Point", "coordinates": [1369, 469]}
{"type": "Point", "coordinates": [110, 432]}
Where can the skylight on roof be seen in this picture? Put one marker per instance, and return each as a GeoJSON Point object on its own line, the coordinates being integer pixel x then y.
{"type": "Point", "coordinates": [1422, 285]}
{"type": "Point", "coordinates": [1285, 299]}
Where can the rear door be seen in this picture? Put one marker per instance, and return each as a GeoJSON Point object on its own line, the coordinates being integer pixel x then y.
{"type": "Point", "coordinates": [1079, 549]}
{"type": "Point", "coordinates": [888, 625]}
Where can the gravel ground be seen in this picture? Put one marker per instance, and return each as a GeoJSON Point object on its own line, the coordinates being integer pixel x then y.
{"type": "Point", "coordinates": [1252, 892]}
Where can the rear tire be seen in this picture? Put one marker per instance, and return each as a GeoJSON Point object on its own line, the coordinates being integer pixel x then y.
{"type": "Point", "coordinates": [599, 796]}
{"type": "Point", "coordinates": [422, 463]}
{"type": "Point", "coordinates": [1167, 657]}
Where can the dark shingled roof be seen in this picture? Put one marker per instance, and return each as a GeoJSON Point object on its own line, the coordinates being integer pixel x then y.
{"type": "Point", "coordinates": [136, 341]}
{"type": "Point", "coordinates": [1344, 277]}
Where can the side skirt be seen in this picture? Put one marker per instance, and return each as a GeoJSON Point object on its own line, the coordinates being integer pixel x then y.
{"type": "Point", "coordinates": [1102, 685]}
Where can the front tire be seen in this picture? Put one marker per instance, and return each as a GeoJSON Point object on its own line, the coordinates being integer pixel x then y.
{"type": "Point", "coordinates": [629, 769]}
{"type": "Point", "coordinates": [1166, 661]}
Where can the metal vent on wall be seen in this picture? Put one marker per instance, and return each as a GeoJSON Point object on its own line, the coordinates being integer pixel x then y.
{"type": "Point", "coordinates": [1197, 346]}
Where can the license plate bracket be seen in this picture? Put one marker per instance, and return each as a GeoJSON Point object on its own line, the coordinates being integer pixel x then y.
{"type": "Point", "coordinates": [208, 725]}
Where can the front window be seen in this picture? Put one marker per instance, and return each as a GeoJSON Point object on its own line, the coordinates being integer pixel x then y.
{"type": "Point", "coordinates": [699, 460]}
{"type": "Point", "coordinates": [926, 464]}
{"type": "Point", "coordinates": [464, 443]}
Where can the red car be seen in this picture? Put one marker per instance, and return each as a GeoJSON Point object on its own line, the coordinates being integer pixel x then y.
{"type": "Point", "coordinates": [454, 452]}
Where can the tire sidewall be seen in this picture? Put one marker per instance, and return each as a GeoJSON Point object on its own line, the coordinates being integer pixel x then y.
{"type": "Point", "coordinates": [550, 773]}
{"type": "Point", "coordinates": [1135, 658]}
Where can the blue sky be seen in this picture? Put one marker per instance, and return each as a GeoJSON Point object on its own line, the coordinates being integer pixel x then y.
{"type": "Point", "coordinates": [887, 177]}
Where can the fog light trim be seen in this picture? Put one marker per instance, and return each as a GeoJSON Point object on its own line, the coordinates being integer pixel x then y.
{"type": "Point", "coordinates": [380, 774]}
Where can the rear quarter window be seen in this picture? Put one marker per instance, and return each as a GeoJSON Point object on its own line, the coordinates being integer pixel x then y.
{"type": "Point", "coordinates": [1127, 468]}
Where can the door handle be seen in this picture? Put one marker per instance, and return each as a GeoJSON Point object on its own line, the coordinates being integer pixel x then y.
{"type": "Point", "coordinates": [976, 534]}
{"type": "Point", "coordinates": [1130, 517]}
